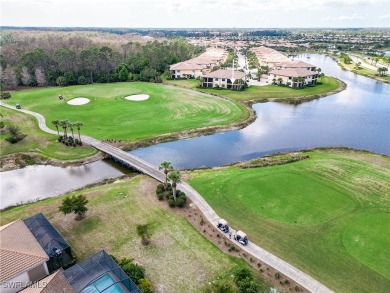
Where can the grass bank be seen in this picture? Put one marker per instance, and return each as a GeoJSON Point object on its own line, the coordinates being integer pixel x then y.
{"type": "Point", "coordinates": [179, 258]}
{"type": "Point", "coordinates": [109, 116]}
{"type": "Point", "coordinates": [362, 71]}
{"type": "Point", "coordinates": [327, 215]}
{"type": "Point", "coordinates": [36, 142]}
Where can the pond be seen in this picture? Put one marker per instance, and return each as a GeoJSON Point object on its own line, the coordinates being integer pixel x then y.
{"type": "Point", "coordinates": [357, 117]}
{"type": "Point", "coordinates": [40, 181]}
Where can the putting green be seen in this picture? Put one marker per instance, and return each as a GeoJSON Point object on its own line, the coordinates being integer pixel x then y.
{"type": "Point", "coordinates": [368, 239]}
{"type": "Point", "coordinates": [109, 115]}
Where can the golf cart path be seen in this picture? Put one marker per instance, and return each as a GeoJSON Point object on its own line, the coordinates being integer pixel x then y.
{"type": "Point", "coordinates": [285, 268]}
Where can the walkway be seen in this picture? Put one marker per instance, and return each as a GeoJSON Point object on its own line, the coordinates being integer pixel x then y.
{"type": "Point", "coordinates": [285, 268]}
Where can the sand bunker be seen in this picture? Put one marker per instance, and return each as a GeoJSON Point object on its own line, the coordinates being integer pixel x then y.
{"type": "Point", "coordinates": [79, 101]}
{"type": "Point", "coordinates": [137, 97]}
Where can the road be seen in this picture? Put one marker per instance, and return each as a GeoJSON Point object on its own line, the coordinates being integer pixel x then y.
{"type": "Point", "coordinates": [285, 268]}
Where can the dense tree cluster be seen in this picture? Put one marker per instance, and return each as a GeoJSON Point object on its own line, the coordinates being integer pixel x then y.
{"type": "Point", "coordinates": [59, 60]}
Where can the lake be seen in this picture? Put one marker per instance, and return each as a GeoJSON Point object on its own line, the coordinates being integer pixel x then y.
{"type": "Point", "coordinates": [358, 117]}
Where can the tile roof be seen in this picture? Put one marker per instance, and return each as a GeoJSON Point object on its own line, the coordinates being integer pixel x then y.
{"type": "Point", "coordinates": [19, 250]}
{"type": "Point", "coordinates": [54, 283]}
{"type": "Point", "coordinates": [186, 66]}
{"type": "Point", "coordinates": [296, 64]}
{"type": "Point", "coordinates": [223, 73]}
{"type": "Point", "coordinates": [293, 72]}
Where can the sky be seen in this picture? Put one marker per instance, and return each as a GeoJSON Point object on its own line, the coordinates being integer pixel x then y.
{"type": "Point", "coordinates": [196, 13]}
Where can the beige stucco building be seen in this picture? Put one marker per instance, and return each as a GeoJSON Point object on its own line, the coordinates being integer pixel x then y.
{"type": "Point", "coordinates": [222, 78]}
{"type": "Point", "coordinates": [293, 77]}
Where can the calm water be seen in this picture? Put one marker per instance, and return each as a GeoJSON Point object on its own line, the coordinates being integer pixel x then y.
{"type": "Point", "coordinates": [358, 117]}
{"type": "Point", "coordinates": [37, 182]}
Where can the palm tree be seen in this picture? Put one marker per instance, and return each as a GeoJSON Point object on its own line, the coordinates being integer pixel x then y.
{"type": "Point", "coordinates": [174, 177]}
{"type": "Point", "coordinates": [166, 166]}
{"type": "Point", "coordinates": [56, 123]}
{"type": "Point", "coordinates": [71, 125]}
{"type": "Point", "coordinates": [78, 125]}
{"type": "Point", "coordinates": [64, 124]}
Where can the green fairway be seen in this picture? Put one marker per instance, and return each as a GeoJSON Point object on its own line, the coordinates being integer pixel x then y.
{"type": "Point", "coordinates": [273, 91]}
{"type": "Point", "coordinates": [327, 215]}
{"type": "Point", "coordinates": [109, 116]}
{"type": "Point", "coordinates": [36, 140]}
{"type": "Point", "coordinates": [179, 258]}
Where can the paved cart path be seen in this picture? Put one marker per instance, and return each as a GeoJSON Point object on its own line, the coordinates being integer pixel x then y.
{"type": "Point", "coordinates": [285, 268]}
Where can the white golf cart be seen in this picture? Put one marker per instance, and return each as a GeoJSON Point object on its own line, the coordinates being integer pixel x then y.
{"type": "Point", "coordinates": [223, 226]}
{"type": "Point", "coordinates": [241, 237]}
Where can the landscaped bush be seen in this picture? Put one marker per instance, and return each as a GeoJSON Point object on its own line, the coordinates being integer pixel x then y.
{"type": "Point", "coordinates": [171, 202]}
{"type": "Point", "coordinates": [5, 95]}
{"type": "Point", "coordinates": [145, 286]}
{"type": "Point", "coordinates": [14, 134]}
{"type": "Point", "coordinates": [134, 271]}
{"type": "Point", "coordinates": [160, 196]}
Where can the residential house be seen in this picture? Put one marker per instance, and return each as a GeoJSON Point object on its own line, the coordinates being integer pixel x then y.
{"type": "Point", "coordinates": [54, 283]}
{"type": "Point", "coordinates": [22, 259]}
{"type": "Point", "coordinates": [223, 78]}
{"type": "Point", "coordinates": [193, 68]}
{"type": "Point", "coordinates": [295, 64]}
{"type": "Point", "coordinates": [294, 77]}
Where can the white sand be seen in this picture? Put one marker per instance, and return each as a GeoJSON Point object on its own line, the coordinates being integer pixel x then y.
{"type": "Point", "coordinates": [137, 97]}
{"type": "Point", "coordinates": [79, 101]}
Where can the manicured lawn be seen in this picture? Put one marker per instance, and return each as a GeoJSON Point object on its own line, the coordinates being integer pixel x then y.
{"type": "Point", "coordinates": [328, 215]}
{"type": "Point", "coordinates": [36, 140]}
{"type": "Point", "coordinates": [179, 258]}
{"type": "Point", "coordinates": [187, 83]}
{"type": "Point", "coordinates": [363, 71]}
{"type": "Point", "coordinates": [274, 91]}
{"type": "Point", "coordinates": [109, 116]}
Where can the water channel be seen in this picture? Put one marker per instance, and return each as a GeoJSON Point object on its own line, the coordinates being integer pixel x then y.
{"type": "Point", "coordinates": [358, 117]}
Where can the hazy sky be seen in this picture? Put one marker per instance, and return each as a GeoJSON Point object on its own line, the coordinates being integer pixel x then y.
{"type": "Point", "coordinates": [196, 13]}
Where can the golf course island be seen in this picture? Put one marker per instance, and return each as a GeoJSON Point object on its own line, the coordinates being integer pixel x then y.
{"type": "Point", "coordinates": [328, 214]}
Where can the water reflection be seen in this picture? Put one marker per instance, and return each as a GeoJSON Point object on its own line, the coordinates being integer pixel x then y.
{"type": "Point", "coordinates": [357, 117]}
{"type": "Point", "coordinates": [37, 182]}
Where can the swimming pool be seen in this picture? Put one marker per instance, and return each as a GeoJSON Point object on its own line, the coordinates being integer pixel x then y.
{"type": "Point", "coordinates": [104, 284]}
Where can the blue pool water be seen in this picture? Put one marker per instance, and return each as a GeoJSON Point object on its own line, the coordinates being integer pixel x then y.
{"type": "Point", "coordinates": [105, 283]}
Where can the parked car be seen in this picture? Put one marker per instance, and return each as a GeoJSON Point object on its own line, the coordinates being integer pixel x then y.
{"type": "Point", "coordinates": [241, 238]}
{"type": "Point", "coordinates": [223, 226]}
{"type": "Point", "coordinates": [18, 106]}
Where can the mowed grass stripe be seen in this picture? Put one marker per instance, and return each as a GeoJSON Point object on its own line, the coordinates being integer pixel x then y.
{"type": "Point", "coordinates": [313, 212]}
{"type": "Point", "coordinates": [109, 116]}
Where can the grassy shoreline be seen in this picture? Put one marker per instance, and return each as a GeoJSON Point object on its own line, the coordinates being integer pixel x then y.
{"type": "Point", "coordinates": [285, 214]}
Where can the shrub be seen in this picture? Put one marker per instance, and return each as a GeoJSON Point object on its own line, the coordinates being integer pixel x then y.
{"type": "Point", "coordinates": [181, 201]}
{"type": "Point", "coordinates": [134, 271]}
{"type": "Point", "coordinates": [15, 134]}
{"type": "Point", "coordinates": [82, 80]}
{"type": "Point", "coordinates": [171, 202]}
{"type": "Point", "coordinates": [242, 273]}
{"type": "Point", "coordinates": [145, 286]}
{"type": "Point", "coordinates": [160, 189]}
{"type": "Point", "coordinates": [247, 285]}
{"type": "Point", "coordinates": [160, 196]}
{"type": "Point", "coordinates": [5, 95]}
{"type": "Point", "coordinates": [296, 288]}
{"type": "Point", "coordinates": [277, 275]}
{"type": "Point", "coordinates": [61, 81]}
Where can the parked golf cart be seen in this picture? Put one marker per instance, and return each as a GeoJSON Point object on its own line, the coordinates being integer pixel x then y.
{"type": "Point", "coordinates": [223, 226]}
{"type": "Point", "coordinates": [241, 238]}
{"type": "Point", "coordinates": [18, 106]}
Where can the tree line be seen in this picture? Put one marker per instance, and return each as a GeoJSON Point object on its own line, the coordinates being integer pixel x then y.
{"type": "Point", "coordinates": [77, 60]}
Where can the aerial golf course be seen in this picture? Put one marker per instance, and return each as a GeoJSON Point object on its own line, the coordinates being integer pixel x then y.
{"type": "Point", "coordinates": [108, 115]}
{"type": "Point", "coordinates": [328, 215]}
